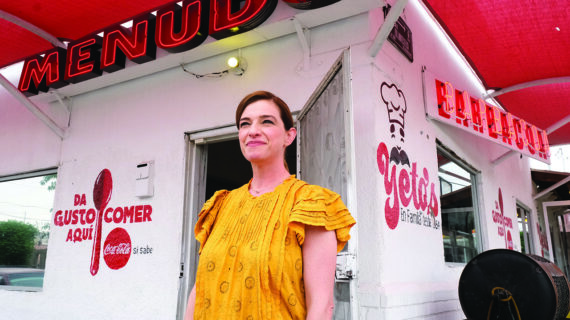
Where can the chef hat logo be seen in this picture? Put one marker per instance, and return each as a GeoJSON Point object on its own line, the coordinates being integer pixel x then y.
{"type": "Point", "coordinates": [396, 104]}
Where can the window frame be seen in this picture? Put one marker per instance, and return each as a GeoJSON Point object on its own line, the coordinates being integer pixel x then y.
{"type": "Point", "coordinates": [475, 186]}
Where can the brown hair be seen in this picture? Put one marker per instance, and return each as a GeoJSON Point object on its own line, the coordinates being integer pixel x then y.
{"type": "Point", "coordinates": [284, 111]}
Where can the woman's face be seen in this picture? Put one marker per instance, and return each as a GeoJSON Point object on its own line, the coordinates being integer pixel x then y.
{"type": "Point", "coordinates": [262, 134]}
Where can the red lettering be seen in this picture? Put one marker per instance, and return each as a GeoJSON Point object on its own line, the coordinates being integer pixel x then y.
{"type": "Point", "coordinates": [519, 137]}
{"type": "Point", "coordinates": [82, 216]}
{"type": "Point", "coordinates": [422, 189]}
{"type": "Point", "coordinates": [463, 112]}
{"type": "Point", "coordinates": [404, 187]}
{"type": "Point", "coordinates": [118, 215]}
{"type": "Point", "coordinates": [433, 202]}
{"type": "Point", "coordinates": [478, 115]}
{"type": "Point", "coordinates": [507, 127]}
{"type": "Point", "coordinates": [445, 99]}
{"type": "Point", "coordinates": [90, 216]}
{"type": "Point", "coordinates": [544, 146]}
{"type": "Point", "coordinates": [229, 17]}
{"type": "Point", "coordinates": [189, 20]}
{"type": "Point", "coordinates": [414, 186]}
{"type": "Point", "coordinates": [120, 43]}
{"type": "Point", "coordinates": [138, 213]}
{"type": "Point", "coordinates": [76, 200]}
{"type": "Point", "coordinates": [530, 133]}
{"type": "Point", "coordinates": [147, 212]}
{"type": "Point", "coordinates": [74, 217]}
{"type": "Point", "coordinates": [392, 212]}
{"type": "Point", "coordinates": [67, 217]}
{"type": "Point", "coordinates": [83, 59]}
{"type": "Point", "coordinates": [493, 121]}
{"type": "Point", "coordinates": [108, 218]}
{"type": "Point", "coordinates": [129, 213]}
{"type": "Point", "coordinates": [57, 218]}
{"type": "Point", "coordinates": [39, 74]}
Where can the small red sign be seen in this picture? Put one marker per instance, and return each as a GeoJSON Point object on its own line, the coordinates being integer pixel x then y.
{"type": "Point", "coordinates": [117, 249]}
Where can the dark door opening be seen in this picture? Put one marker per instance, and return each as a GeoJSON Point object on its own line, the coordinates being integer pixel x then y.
{"type": "Point", "coordinates": [228, 169]}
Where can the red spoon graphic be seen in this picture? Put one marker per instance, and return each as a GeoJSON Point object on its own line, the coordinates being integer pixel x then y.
{"type": "Point", "coordinates": [101, 196]}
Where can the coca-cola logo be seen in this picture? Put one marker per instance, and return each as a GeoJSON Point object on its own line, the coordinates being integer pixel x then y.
{"type": "Point", "coordinates": [117, 248]}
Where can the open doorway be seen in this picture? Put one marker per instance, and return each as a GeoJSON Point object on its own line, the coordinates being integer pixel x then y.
{"type": "Point", "coordinates": [324, 142]}
{"type": "Point", "coordinates": [226, 167]}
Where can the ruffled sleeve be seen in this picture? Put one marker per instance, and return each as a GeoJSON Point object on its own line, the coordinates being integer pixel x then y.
{"type": "Point", "coordinates": [318, 206]}
{"type": "Point", "coordinates": [207, 217]}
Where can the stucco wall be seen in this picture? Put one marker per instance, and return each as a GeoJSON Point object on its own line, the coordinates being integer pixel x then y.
{"type": "Point", "coordinates": [403, 273]}
{"type": "Point", "coordinates": [121, 126]}
{"type": "Point", "coordinates": [401, 270]}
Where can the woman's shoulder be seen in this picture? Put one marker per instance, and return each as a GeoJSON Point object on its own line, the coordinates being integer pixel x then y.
{"type": "Point", "coordinates": [306, 191]}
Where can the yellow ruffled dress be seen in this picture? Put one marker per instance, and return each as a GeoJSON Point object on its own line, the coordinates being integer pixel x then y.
{"type": "Point", "coordinates": [251, 263]}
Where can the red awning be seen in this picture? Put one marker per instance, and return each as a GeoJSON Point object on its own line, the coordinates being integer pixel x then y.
{"type": "Point", "coordinates": [514, 42]}
{"type": "Point", "coordinates": [64, 19]}
{"type": "Point", "coordinates": [507, 42]}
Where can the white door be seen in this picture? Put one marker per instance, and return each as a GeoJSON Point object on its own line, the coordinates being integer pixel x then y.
{"type": "Point", "coordinates": [324, 158]}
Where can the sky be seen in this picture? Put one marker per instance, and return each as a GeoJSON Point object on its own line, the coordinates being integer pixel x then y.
{"type": "Point", "coordinates": [26, 200]}
{"type": "Point", "coordinates": [559, 160]}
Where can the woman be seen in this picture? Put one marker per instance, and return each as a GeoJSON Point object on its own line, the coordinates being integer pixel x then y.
{"type": "Point", "coordinates": [268, 249]}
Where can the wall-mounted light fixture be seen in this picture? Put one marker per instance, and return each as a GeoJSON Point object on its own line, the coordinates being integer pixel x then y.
{"type": "Point", "coordinates": [236, 65]}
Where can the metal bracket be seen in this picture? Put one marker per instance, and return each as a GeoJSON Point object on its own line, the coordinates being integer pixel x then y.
{"type": "Point", "coordinates": [345, 266]}
{"type": "Point", "coordinates": [42, 116]}
{"type": "Point", "coordinates": [67, 106]}
{"type": "Point", "coordinates": [387, 27]}
{"type": "Point", "coordinates": [305, 45]}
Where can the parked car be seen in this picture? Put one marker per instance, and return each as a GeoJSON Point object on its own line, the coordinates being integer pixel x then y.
{"type": "Point", "coordinates": [22, 277]}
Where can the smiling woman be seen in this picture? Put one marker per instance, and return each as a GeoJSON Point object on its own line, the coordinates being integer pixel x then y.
{"type": "Point", "coordinates": [275, 237]}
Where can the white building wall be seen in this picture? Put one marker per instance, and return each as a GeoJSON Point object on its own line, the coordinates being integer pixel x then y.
{"type": "Point", "coordinates": [401, 271]}
{"type": "Point", "coordinates": [121, 126]}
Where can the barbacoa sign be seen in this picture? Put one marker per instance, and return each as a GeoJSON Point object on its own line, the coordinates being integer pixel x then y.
{"type": "Point", "coordinates": [474, 115]}
{"type": "Point", "coordinates": [174, 28]}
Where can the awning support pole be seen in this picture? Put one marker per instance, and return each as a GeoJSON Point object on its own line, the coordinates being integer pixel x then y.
{"type": "Point", "coordinates": [387, 27]}
{"type": "Point", "coordinates": [552, 187]}
{"type": "Point", "coordinates": [528, 84]}
{"type": "Point", "coordinates": [304, 43]}
{"type": "Point", "coordinates": [559, 124]}
{"type": "Point", "coordinates": [32, 28]}
{"type": "Point", "coordinates": [503, 157]}
{"type": "Point", "coordinates": [32, 107]}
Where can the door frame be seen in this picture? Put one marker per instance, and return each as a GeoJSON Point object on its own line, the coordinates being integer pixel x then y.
{"type": "Point", "coordinates": [545, 206]}
{"type": "Point", "coordinates": [195, 169]}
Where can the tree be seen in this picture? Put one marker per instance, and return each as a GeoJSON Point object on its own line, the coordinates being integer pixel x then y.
{"type": "Point", "coordinates": [16, 242]}
{"type": "Point", "coordinates": [50, 180]}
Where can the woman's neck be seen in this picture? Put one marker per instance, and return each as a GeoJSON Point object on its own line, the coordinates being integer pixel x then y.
{"type": "Point", "coordinates": [266, 178]}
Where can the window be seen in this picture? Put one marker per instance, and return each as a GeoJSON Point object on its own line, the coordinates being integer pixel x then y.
{"type": "Point", "coordinates": [523, 217]}
{"type": "Point", "coordinates": [26, 204]}
{"type": "Point", "coordinates": [458, 208]}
